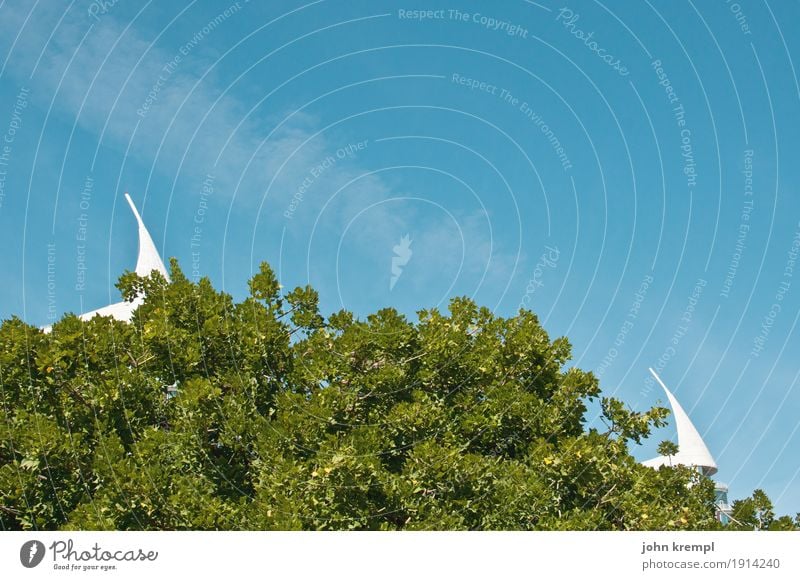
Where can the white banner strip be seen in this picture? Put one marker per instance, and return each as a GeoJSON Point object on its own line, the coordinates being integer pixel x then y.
{"type": "Point", "coordinates": [406, 555]}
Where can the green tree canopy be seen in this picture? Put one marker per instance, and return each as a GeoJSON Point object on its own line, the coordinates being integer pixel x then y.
{"type": "Point", "coordinates": [756, 513]}
{"type": "Point", "coordinates": [284, 419]}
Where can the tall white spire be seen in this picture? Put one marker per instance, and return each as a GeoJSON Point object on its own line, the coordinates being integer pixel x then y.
{"type": "Point", "coordinates": [147, 261]}
{"type": "Point", "coordinates": [692, 450]}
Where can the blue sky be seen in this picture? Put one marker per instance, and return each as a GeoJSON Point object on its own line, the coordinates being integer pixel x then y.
{"type": "Point", "coordinates": [628, 171]}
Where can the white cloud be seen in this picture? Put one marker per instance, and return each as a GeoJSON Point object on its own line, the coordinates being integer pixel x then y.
{"type": "Point", "coordinates": [106, 81]}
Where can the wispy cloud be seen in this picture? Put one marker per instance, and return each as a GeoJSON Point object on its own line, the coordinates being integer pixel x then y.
{"type": "Point", "coordinates": [115, 82]}
{"type": "Point", "coordinates": [167, 107]}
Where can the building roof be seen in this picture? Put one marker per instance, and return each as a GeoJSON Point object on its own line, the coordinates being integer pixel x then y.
{"type": "Point", "coordinates": [692, 450]}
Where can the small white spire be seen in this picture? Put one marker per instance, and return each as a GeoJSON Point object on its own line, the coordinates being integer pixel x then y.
{"type": "Point", "coordinates": [692, 450]}
{"type": "Point", "coordinates": [149, 258]}
{"type": "Point", "coordinates": [147, 261]}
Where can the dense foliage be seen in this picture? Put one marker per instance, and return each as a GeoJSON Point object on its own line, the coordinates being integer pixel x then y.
{"type": "Point", "coordinates": [286, 420]}
{"type": "Point", "coordinates": [756, 513]}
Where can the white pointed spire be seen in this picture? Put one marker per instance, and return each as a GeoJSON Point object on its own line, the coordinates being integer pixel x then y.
{"type": "Point", "coordinates": [148, 259]}
{"type": "Point", "coordinates": [692, 450]}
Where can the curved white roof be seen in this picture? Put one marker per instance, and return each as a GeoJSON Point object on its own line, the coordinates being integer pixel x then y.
{"type": "Point", "coordinates": [692, 450]}
{"type": "Point", "coordinates": [147, 261]}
